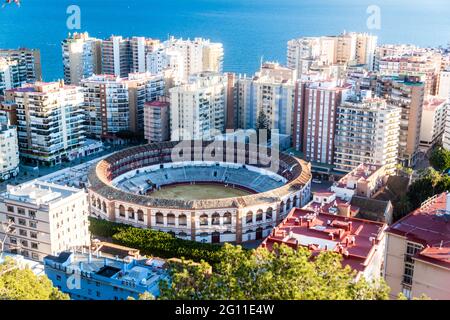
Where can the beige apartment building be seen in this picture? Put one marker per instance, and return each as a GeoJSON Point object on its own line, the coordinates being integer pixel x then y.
{"type": "Point", "coordinates": [418, 251]}
{"type": "Point", "coordinates": [367, 131]}
{"type": "Point", "coordinates": [407, 93]}
{"type": "Point", "coordinates": [45, 218]}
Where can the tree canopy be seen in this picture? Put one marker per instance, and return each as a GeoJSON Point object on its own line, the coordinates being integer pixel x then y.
{"type": "Point", "coordinates": [281, 274]}
{"type": "Point", "coordinates": [440, 159]}
{"type": "Point", "coordinates": [23, 284]}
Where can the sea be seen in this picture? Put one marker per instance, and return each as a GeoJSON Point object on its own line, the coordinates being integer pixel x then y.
{"type": "Point", "coordinates": [250, 30]}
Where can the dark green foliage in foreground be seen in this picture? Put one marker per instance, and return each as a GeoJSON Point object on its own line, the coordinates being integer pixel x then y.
{"type": "Point", "coordinates": [283, 274]}
{"type": "Point", "coordinates": [156, 243]}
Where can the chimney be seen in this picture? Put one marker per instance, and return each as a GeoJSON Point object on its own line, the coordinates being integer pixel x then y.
{"type": "Point", "coordinates": [349, 226]}
{"type": "Point", "coordinates": [344, 210]}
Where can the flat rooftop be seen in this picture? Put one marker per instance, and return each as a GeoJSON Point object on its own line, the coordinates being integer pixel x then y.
{"type": "Point", "coordinates": [38, 192]}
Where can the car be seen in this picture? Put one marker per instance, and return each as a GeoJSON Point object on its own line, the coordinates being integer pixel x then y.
{"type": "Point", "coordinates": [316, 181]}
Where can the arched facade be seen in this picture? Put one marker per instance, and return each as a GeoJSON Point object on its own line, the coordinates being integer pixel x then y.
{"type": "Point", "coordinates": [224, 220]}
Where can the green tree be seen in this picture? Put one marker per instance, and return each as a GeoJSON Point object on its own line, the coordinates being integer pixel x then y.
{"type": "Point", "coordinates": [440, 159]}
{"type": "Point", "coordinates": [23, 284]}
{"type": "Point", "coordinates": [263, 123]}
{"type": "Point", "coordinates": [280, 274]}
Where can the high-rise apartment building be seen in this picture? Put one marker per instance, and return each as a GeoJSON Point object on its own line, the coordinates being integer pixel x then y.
{"type": "Point", "coordinates": [46, 219]}
{"type": "Point", "coordinates": [116, 56]}
{"type": "Point", "coordinates": [315, 119]}
{"type": "Point", "coordinates": [198, 108]}
{"type": "Point", "coordinates": [347, 48]}
{"type": "Point", "coordinates": [9, 151]}
{"type": "Point", "coordinates": [367, 131]}
{"type": "Point", "coordinates": [113, 104]}
{"type": "Point", "coordinates": [81, 57]}
{"type": "Point", "coordinates": [49, 121]}
{"type": "Point", "coordinates": [407, 93]}
{"type": "Point", "coordinates": [157, 121]}
{"type": "Point", "coordinates": [29, 61]}
{"type": "Point", "coordinates": [186, 57]}
{"type": "Point", "coordinates": [271, 93]}
{"type": "Point", "coordinates": [411, 61]}
{"type": "Point", "coordinates": [11, 75]}
{"type": "Point", "coordinates": [433, 122]}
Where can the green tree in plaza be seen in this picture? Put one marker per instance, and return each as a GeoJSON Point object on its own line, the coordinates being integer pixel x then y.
{"type": "Point", "coordinates": [23, 284]}
{"type": "Point", "coordinates": [281, 274]}
{"type": "Point", "coordinates": [440, 159]}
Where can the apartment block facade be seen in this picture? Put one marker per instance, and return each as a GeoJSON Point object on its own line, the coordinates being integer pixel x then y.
{"type": "Point", "coordinates": [198, 109]}
{"type": "Point", "coordinates": [271, 93]}
{"type": "Point", "coordinates": [9, 151]}
{"type": "Point", "coordinates": [81, 57]}
{"type": "Point", "coordinates": [157, 121]}
{"type": "Point", "coordinates": [367, 131]}
{"type": "Point", "coordinates": [50, 121]}
{"type": "Point", "coordinates": [46, 219]}
{"type": "Point", "coordinates": [29, 60]}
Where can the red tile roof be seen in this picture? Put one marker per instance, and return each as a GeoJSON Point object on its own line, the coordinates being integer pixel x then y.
{"type": "Point", "coordinates": [430, 226]}
{"type": "Point", "coordinates": [355, 239]}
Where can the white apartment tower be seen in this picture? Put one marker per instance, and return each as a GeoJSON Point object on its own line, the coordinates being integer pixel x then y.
{"type": "Point", "coordinates": [347, 48]}
{"type": "Point", "coordinates": [10, 75]}
{"type": "Point", "coordinates": [81, 57]}
{"type": "Point", "coordinates": [46, 219]}
{"type": "Point", "coordinates": [189, 56]}
{"type": "Point", "coordinates": [270, 92]}
{"type": "Point", "coordinates": [9, 151]}
{"type": "Point", "coordinates": [50, 121]}
{"type": "Point", "coordinates": [367, 131]}
{"type": "Point", "coordinates": [198, 108]}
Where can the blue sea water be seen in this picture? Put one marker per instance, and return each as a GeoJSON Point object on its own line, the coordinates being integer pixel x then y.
{"type": "Point", "coordinates": [249, 29]}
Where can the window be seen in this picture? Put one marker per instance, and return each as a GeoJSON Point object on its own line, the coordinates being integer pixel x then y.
{"type": "Point", "coordinates": [182, 220]}
{"type": "Point", "coordinates": [20, 211]}
{"type": "Point", "coordinates": [269, 214]}
{"type": "Point", "coordinates": [12, 219]}
{"type": "Point", "coordinates": [32, 214]}
{"type": "Point", "coordinates": [171, 219]}
{"type": "Point", "coordinates": [23, 233]}
{"type": "Point", "coordinates": [33, 224]}
{"type": "Point", "coordinates": [22, 222]}
{"type": "Point", "coordinates": [159, 218]}
{"type": "Point", "coordinates": [24, 243]}
{"type": "Point", "coordinates": [10, 209]}
{"type": "Point", "coordinates": [130, 213]}
{"type": "Point", "coordinates": [259, 215]}
{"type": "Point", "coordinates": [35, 256]}
{"type": "Point", "coordinates": [204, 220]}
{"type": "Point", "coordinates": [33, 235]}
{"type": "Point", "coordinates": [407, 292]}
{"type": "Point", "coordinates": [140, 215]}
{"type": "Point", "coordinates": [249, 218]}
{"type": "Point", "coordinates": [58, 277]}
{"type": "Point", "coordinates": [13, 240]}
{"type": "Point", "coordinates": [215, 219]}
{"type": "Point", "coordinates": [122, 211]}
{"type": "Point", "coordinates": [227, 218]}
{"type": "Point", "coordinates": [34, 245]}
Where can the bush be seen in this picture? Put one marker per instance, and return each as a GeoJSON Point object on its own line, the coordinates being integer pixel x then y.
{"type": "Point", "coordinates": [104, 228]}
{"type": "Point", "coordinates": [156, 243]}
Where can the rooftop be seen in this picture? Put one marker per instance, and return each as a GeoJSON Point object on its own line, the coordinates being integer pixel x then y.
{"type": "Point", "coordinates": [433, 103]}
{"type": "Point", "coordinates": [38, 192]}
{"type": "Point", "coordinates": [140, 275]}
{"type": "Point", "coordinates": [355, 239]}
{"type": "Point", "coordinates": [429, 225]}
{"type": "Point", "coordinates": [360, 173]}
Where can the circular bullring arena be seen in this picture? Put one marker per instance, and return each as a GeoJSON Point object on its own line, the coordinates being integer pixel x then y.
{"type": "Point", "coordinates": [207, 192]}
